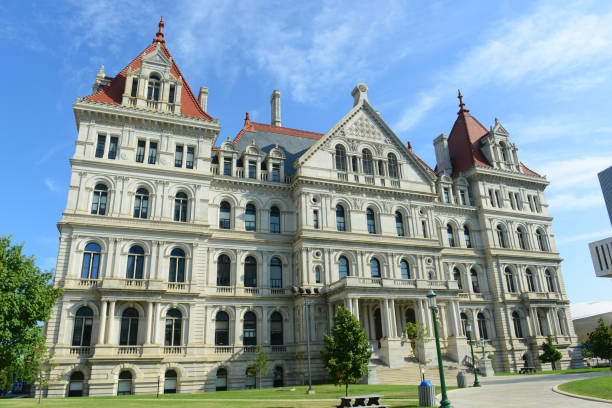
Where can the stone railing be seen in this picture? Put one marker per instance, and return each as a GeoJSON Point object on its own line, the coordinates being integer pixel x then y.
{"type": "Point", "coordinates": [81, 351]}
{"type": "Point", "coordinates": [242, 173]}
{"type": "Point", "coordinates": [539, 296]}
{"type": "Point", "coordinates": [246, 291]}
{"type": "Point", "coordinates": [359, 281]}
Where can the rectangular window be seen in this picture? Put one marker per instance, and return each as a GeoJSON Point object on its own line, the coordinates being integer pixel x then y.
{"type": "Point", "coordinates": [190, 154]}
{"type": "Point", "coordinates": [511, 198]}
{"type": "Point", "coordinates": [134, 87]}
{"type": "Point", "coordinates": [315, 218]}
{"type": "Point", "coordinates": [500, 202]}
{"type": "Point", "coordinates": [227, 167]}
{"type": "Point", "coordinates": [252, 169]}
{"type": "Point", "coordinates": [462, 197]}
{"type": "Point", "coordinates": [381, 168]}
{"type": "Point", "coordinates": [152, 152]}
{"type": "Point", "coordinates": [276, 172]}
{"type": "Point", "coordinates": [492, 197]}
{"type": "Point", "coordinates": [424, 225]}
{"type": "Point", "coordinates": [519, 202]}
{"type": "Point", "coordinates": [446, 195]}
{"type": "Point", "coordinates": [355, 164]}
{"type": "Point", "coordinates": [536, 201]}
{"type": "Point", "coordinates": [178, 156]}
{"type": "Point", "coordinates": [171, 95]}
{"type": "Point", "coordinates": [531, 203]}
{"type": "Point", "coordinates": [112, 148]}
{"type": "Point", "coordinates": [140, 151]}
{"type": "Point", "coordinates": [100, 146]}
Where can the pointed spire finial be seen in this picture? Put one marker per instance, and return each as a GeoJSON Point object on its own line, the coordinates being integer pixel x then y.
{"type": "Point", "coordinates": [461, 104]}
{"type": "Point", "coordinates": [160, 33]}
{"type": "Point", "coordinates": [246, 118]}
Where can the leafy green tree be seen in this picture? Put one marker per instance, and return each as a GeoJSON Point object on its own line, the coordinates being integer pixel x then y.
{"type": "Point", "coordinates": [600, 341]}
{"type": "Point", "coordinates": [347, 350]}
{"type": "Point", "coordinates": [26, 300]}
{"type": "Point", "coordinates": [550, 353]}
{"type": "Point", "coordinates": [260, 364]}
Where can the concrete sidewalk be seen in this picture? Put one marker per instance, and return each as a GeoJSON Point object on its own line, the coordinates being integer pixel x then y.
{"type": "Point", "coordinates": [523, 391]}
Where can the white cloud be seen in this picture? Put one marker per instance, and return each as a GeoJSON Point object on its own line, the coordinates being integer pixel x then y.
{"type": "Point", "coordinates": [575, 173]}
{"type": "Point", "coordinates": [415, 113]}
{"type": "Point", "coordinates": [589, 236]}
{"type": "Point", "coordinates": [51, 184]}
{"type": "Point", "coordinates": [572, 201]}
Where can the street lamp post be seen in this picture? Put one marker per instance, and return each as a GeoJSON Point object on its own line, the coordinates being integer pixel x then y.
{"type": "Point", "coordinates": [431, 300]}
{"type": "Point", "coordinates": [307, 309]}
{"type": "Point", "coordinates": [468, 330]}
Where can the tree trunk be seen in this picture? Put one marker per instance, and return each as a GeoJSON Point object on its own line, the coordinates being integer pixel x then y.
{"type": "Point", "coordinates": [346, 392]}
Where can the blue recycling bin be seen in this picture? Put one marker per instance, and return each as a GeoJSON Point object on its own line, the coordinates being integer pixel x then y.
{"type": "Point", "coordinates": [427, 394]}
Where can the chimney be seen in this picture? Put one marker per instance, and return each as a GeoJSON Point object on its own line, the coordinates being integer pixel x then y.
{"type": "Point", "coordinates": [203, 97]}
{"type": "Point", "coordinates": [275, 108]}
{"type": "Point", "coordinates": [442, 154]}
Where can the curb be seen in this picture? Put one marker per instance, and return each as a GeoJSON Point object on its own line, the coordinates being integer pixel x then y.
{"type": "Point", "coordinates": [583, 397]}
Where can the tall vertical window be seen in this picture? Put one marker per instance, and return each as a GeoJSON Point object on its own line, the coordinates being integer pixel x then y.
{"type": "Point", "coordinates": [178, 156]}
{"type": "Point", "coordinates": [550, 285]}
{"type": "Point", "coordinates": [343, 267]}
{"type": "Point", "coordinates": [276, 273]}
{"type": "Point", "coordinates": [475, 283]}
{"type": "Point", "coordinates": [112, 147]}
{"type": "Point", "coordinates": [225, 211]}
{"type": "Point", "coordinates": [276, 172]}
{"type": "Point", "coordinates": [278, 377]}
{"type": "Point", "coordinates": [153, 88]}
{"type": "Point", "coordinates": [135, 264]}
{"type": "Point", "coordinates": [530, 281]}
{"type": "Point", "coordinates": [141, 203]}
{"type": "Point", "coordinates": [462, 197]}
{"type": "Point", "coordinates": [152, 152]}
{"type": "Point", "coordinates": [381, 168]}
{"type": "Point", "coordinates": [522, 237]}
{"type": "Point", "coordinates": [170, 382]}
{"type": "Point", "coordinates": [317, 274]}
{"type": "Point", "coordinates": [340, 220]}
{"type": "Point", "coordinates": [221, 380]}
{"type": "Point", "coordinates": [75, 386]}
{"type": "Point", "coordinates": [510, 280]}
{"type": "Point", "coordinates": [98, 202]}
{"type": "Point", "coordinates": [492, 198]}
{"type": "Point", "coordinates": [189, 160]}
{"type": "Point", "coordinates": [393, 167]}
{"type": "Point", "coordinates": [500, 201]}
{"type": "Point", "coordinates": [516, 321]}
{"type": "Point", "coordinates": [174, 324]}
{"type": "Point", "coordinates": [100, 146]}
{"type": "Point", "coordinates": [252, 169]}
{"type": "Point", "coordinates": [134, 92]}
{"type": "Point", "coordinates": [250, 217]}
{"type": "Point", "coordinates": [399, 224]}
{"type": "Point", "coordinates": [227, 167]}
{"type": "Point", "coordinates": [124, 385]}
{"type": "Point", "coordinates": [250, 272]}
{"type": "Point", "coordinates": [541, 240]}
{"type": "Point", "coordinates": [410, 316]}
{"type": "Point", "coordinates": [140, 151]}
{"type": "Point", "coordinates": [276, 329]}
{"type": "Point", "coordinates": [366, 160]}
{"type": "Point", "coordinates": [249, 329]}
{"type": "Point", "coordinates": [424, 227]}
{"type": "Point", "coordinates": [405, 269]}
{"type": "Point", "coordinates": [223, 270]}
{"type": "Point", "coordinates": [91, 261]}
{"type": "Point", "coordinates": [355, 163]}
{"type": "Point", "coordinates": [464, 321]}
{"type": "Point", "coordinates": [315, 219]}
{"type": "Point", "coordinates": [177, 266]}
{"type": "Point", "coordinates": [450, 234]}
{"type": "Point", "coordinates": [275, 220]}
{"type": "Point", "coordinates": [457, 277]}
{"type": "Point", "coordinates": [466, 236]}
{"type": "Point", "coordinates": [374, 268]}
{"type": "Point", "coordinates": [171, 93]}
{"type": "Point", "coordinates": [128, 335]}
{"type": "Point", "coordinates": [446, 195]}
{"type": "Point", "coordinates": [222, 329]}
{"type": "Point", "coordinates": [180, 207]}
{"type": "Point", "coordinates": [371, 221]}
{"type": "Point", "coordinates": [482, 326]}
{"type": "Point", "coordinates": [83, 322]}
{"type": "Point", "coordinates": [340, 158]}
{"type": "Point", "coordinates": [501, 237]}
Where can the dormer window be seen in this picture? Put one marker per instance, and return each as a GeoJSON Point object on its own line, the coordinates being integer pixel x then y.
{"type": "Point", "coordinates": [171, 94]}
{"type": "Point", "coordinates": [276, 172]}
{"type": "Point", "coordinates": [134, 92]}
{"type": "Point", "coordinates": [154, 86]}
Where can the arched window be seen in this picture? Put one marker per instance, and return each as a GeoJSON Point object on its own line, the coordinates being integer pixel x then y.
{"type": "Point", "coordinates": [250, 272]}
{"type": "Point", "coordinates": [99, 200]}
{"type": "Point", "coordinates": [501, 237]}
{"type": "Point", "coordinates": [222, 329]}
{"type": "Point", "coordinates": [366, 160]}
{"type": "Point", "coordinates": [371, 221]}
{"type": "Point", "coordinates": [482, 326]}
{"type": "Point", "coordinates": [466, 236]}
{"type": "Point", "coordinates": [317, 274]}
{"type": "Point", "coordinates": [153, 88]}
{"type": "Point", "coordinates": [177, 266]}
{"type": "Point", "coordinates": [278, 377]}
{"type": "Point", "coordinates": [504, 153]}
{"type": "Point", "coordinates": [135, 264]}
{"type": "Point", "coordinates": [518, 328]}
{"type": "Point", "coordinates": [223, 270]}
{"type": "Point", "coordinates": [450, 234]}
{"type": "Point", "coordinates": [91, 261]}
{"type": "Point", "coordinates": [221, 379]}
{"type": "Point", "coordinates": [410, 316]}
{"type": "Point", "coordinates": [180, 207]}
{"type": "Point", "coordinates": [250, 217]}
{"type": "Point", "coordinates": [249, 380]}
{"type": "Point", "coordinates": [393, 168]}
{"type": "Point", "coordinates": [405, 269]}
{"type": "Point", "coordinates": [276, 329]}
{"type": "Point", "coordinates": [522, 237]}
{"type": "Point", "coordinates": [343, 267]}
{"type": "Point", "coordinates": [170, 382]}
{"type": "Point", "coordinates": [276, 273]}
{"type": "Point", "coordinates": [141, 203]}
{"type": "Point", "coordinates": [530, 281]}
{"type": "Point", "coordinates": [550, 284]}
{"type": "Point", "coordinates": [124, 385]}
{"type": "Point", "coordinates": [340, 158]}
{"type": "Point", "coordinates": [174, 324]}
{"type": "Point", "coordinates": [541, 240]}
{"type": "Point", "coordinates": [275, 220]}
{"type": "Point", "coordinates": [562, 322]}
{"type": "Point", "coordinates": [128, 335]}
{"type": "Point", "coordinates": [340, 221]}
{"type": "Point", "coordinates": [75, 388]}
{"type": "Point", "coordinates": [510, 280]}
{"type": "Point", "coordinates": [249, 329]}
{"type": "Point", "coordinates": [464, 320]}
{"type": "Point", "coordinates": [375, 268]}
{"type": "Point", "coordinates": [542, 323]}
{"type": "Point", "coordinates": [225, 210]}
{"type": "Point", "coordinates": [475, 284]}
{"type": "Point", "coordinates": [457, 277]}
{"type": "Point", "coordinates": [83, 321]}
{"type": "Point", "coordinates": [399, 224]}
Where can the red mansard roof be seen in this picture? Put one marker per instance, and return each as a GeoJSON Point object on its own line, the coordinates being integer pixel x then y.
{"type": "Point", "coordinates": [263, 127]}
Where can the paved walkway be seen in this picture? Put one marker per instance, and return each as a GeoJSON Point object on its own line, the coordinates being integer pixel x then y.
{"type": "Point", "coordinates": [521, 391]}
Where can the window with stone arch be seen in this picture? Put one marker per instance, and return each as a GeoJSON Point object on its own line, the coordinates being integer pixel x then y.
{"type": "Point", "coordinates": [374, 268]}
{"type": "Point", "coordinates": [317, 274]}
{"type": "Point", "coordinates": [141, 203]}
{"type": "Point", "coordinates": [371, 221]}
{"type": "Point", "coordinates": [276, 329]}
{"type": "Point", "coordinates": [250, 272]}
{"type": "Point", "coordinates": [275, 220]}
{"type": "Point", "coordinates": [531, 287]}
{"type": "Point", "coordinates": [221, 379]}
{"type": "Point", "coordinates": [221, 329]}
{"type": "Point", "coordinates": [475, 283]}
{"type": "Point", "coordinates": [518, 327]}
{"type": "Point", "coordinates": [482, 326]}
{"type": "Point", "coordinates": [343, 267]}
{"type": "Point", "coordinates": [367, 162]}
{"type": "Point", "coordinates": [550, 281]}
{"type": "Point", "coordinates": [562, 322]}
{"type": "Point", "coordinates": [180, 207]}
{"type": "Point", "coordinates": [510, 280]}
{"type": "Point", "coordinates": [521, 235]}
{"type": "Point", "coordinates": [340, 158]}
{"type": "Point", "coordinates": [76, 384]}
{"type": "Point", "coordinates": [457, 277]}
{"type": "Point", "coordinates": [276, 273]}
{"type": "Point", "coordinates": [250, 217]}
{"type": "Point", "coordinates": [128, 334]}
{"type": "Point", "coordinates": [393, 166]}
{"type": "Point", "coordinates": [249, 329]}
{"type": "Point", "coordinates": [223, 270]}
{"type": "Point", "coordinates": [504, 152]}
{"type": "Point", "coordinates": [176, 272]}
{"type": "Point", "coordinates": [99, 199]}
{"type": "Point", "coordinates": [541, 238]}
{"type": "Point", "coordinates": [450, 234]}
{"type": "Point", "coordinates": [83, 323]}
{"type": "Point", "coordinates": [501, 236]}
{"type": "Point", "coordinates": [124, 385]}
{"type": "Point", "coordinates": [405, 269]}
{"type": "Point", "coordinates": [225, 210]}
{"type": "Point", "coordinates": [399, 224]}
{"type": "Point", "coordinates": [170, 382]}
{"type": "Point", "coordinates": [174, 325]}
{"type": "Point", "coordinates": [340, 218]}
{"type": "Point", "coordinates": [153, 87]}
{"type": "Point", "coordinates": [464, 319]}
{"type": "Point", "coordinates": [91, 261]}
{"type": "Point", "coordinates": [135, 264]}
{"type": "Point", "coordinates": [467, 237]}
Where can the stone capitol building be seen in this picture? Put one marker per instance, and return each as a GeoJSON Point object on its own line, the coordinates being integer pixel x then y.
{"type": "Point", "coordinates": [178, 256]}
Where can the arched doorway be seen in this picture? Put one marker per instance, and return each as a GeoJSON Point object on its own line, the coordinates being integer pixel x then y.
{"type": "Point", "coordinates": [170, 382]}
{"type": "Point", "coordinates": [75, 387]}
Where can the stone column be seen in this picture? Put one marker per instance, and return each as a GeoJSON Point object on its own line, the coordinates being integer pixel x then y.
{"type": "Point", "coordinates": [348, 304]}
{"type": "Point", "coordinates": [237, 327]}
{"type": "Point", "coordinates": [155, 334]}
{"type": "Point", "coordinates": [393, 322]}
{"type": "Point", "coordinates": [102, 327]}
{"type": "Point", "coordinates": [149, 322]}
{"type": "Point", "coordinates": [111, 321]}
{"type": "Point", "coordinates": [384, 308]}
{"type": "Point", "coordinates": [264, 320]}
{"type": "Point", "coordinates": [444, 331]}
{"type": "Point", "coordinates": [356, 307]}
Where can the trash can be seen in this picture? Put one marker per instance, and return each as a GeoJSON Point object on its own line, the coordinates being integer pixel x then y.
{"type": "Point", "coordinates": [427, 394]}
{"type": "Point", "coordinates": [462, 379]}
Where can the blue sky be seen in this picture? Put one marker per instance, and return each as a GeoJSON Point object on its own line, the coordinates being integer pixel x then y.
{"type": "Point", "coordinates": [543, 70]}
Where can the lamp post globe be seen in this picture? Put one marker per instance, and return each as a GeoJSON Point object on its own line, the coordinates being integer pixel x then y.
{"type": "Point", "coordinates": [431, 301]}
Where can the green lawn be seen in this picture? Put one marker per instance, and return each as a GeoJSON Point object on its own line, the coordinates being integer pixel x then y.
{"type": "Point", "coordinates": [573, 371]}
{"type": "Point", "coordinates": [600, 387]}
{"type": "Point", "coordinates": [397, 396]}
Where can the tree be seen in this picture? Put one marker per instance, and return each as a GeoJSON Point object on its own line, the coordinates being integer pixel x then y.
{"type": "Point", "coordinates": [550, 352]}
{"type": "Point", "coordinates": [260, 364]}
{"type": "Point", "coordinates": [416, 333]}
{"type": "Point", "coordinates": [26, 299]}
{"type": "Point", "coordinates": [600, 341]}
{"type": "Point", "coordinates": [347, 350]}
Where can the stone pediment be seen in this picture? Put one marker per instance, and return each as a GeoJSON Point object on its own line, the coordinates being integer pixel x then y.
{"type": "Point", "coordinates": [157, 61]}
{"type": "Point", "coordinates": [499, 130]}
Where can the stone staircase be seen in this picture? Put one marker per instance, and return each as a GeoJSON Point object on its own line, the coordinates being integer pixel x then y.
{"type": "Point", "coordinates": [409, 373]}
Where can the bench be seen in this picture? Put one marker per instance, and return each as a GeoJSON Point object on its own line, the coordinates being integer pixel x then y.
{"type": "Point", "coordinates": [527, 370]}
{"type": "Point", "coordinates": [373, 401]}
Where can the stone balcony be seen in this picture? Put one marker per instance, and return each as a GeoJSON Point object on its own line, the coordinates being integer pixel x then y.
{"type": "Point", "coordinates": [539, 296]}
{"type": "Point", "coordinates": [367, 282]}
{"type": "Point", "coordinates": [134, 285]}
{"type": "Point", "coordinates": [240, 291]}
